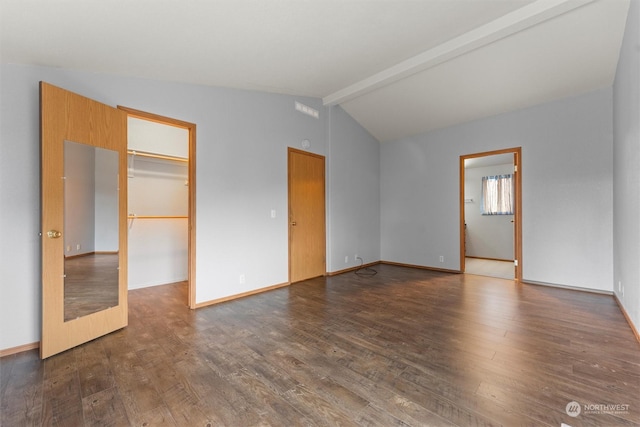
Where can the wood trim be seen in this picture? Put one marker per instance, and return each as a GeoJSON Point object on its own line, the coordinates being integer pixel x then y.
{"type": "Point", "coordinates": [517, 217]}
{"type": "Point", "coordinates": [463, 228]}
{"type": "Point", "coordinates": [627, 317]}
{"type": "Point", "coordinates": [19, 349]}
{"type": "Point", "coordinates": [241, 295]}
{"type": "Point", "coordinates": [492, 153]}
{"type": "Point", "coordinates": [191, 128]}
{"type": "Point", "coordinates": [156, 156]}
{"type": "Point", "coordinates": [348, 270]}
{"type": "Point", "coordinates": [164, 120]}
{"type": "Point", "coordinates": [489, 259]}
{"type": "Point", "coordinates": [192, 217]}
{"type": "Point", "coordinates": [567, 287]}
{"type": "Point", "coordinates": [517, 228]}
{"type": "Point", "coordinates": [307, 153]}
{"type": "Point", "coordinates": [157, 217]}
{"type": "Point", "coordinates": [91, 253]}
{"type": "Point", "coordinates": [421, 267]}
{"type": "Point", "coordinates": [79, 255]}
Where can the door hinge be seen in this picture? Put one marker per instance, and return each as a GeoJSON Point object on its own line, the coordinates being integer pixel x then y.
{"type": "Point", "coordinates": [515, 262]}
{"type": "Point", "coordinates": [515, 168]}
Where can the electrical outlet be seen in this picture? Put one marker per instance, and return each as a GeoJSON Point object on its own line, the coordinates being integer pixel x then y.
{"type": "Point", "coordinates": [78, 246]}
{"type": "Point", "coordinates": [241, 279]}
{"type": "Point", "coordinates": [346, 259]}
{"type": "Point", "coordinates": [68, 248]}
{"type": "Point", "coordinates": [441, 258]}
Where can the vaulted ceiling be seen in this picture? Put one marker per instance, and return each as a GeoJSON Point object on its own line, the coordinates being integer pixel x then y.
{"type": "Point", "coordinates": [399, 67]}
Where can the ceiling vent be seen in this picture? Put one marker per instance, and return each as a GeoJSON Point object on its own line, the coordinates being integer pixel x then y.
{"type": "Point", "coordinates": [305, 109]}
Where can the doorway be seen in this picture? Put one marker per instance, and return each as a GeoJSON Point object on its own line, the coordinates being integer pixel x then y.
{"type": "Point", "coordinates": [84, 222]}
{"type": "Point", "coordinates": [490, 237]}
{"type": "Point", "coordinates": [307, 229]}
{"type": "Point", "coordinates": [161, 216]}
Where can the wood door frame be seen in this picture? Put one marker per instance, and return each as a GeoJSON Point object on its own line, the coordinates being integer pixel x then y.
{"type": "Point", "coordinates": [191, 251]}
{"type": "Point", "coordinates": [324, 214]}
{"type": "Point", "coordinates": [517, 217]}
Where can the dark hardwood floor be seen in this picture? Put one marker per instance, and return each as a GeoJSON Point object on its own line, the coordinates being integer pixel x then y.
{"type": "Point", "coordinates": [90, 284]}
{"type": "Point", "coordinates": [404, 347]}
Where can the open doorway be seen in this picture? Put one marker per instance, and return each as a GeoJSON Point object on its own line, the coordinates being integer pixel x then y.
{"type": "Point", "coordinates": [161, 205]}
{"type": "Point", "coordinates": [490, 214]}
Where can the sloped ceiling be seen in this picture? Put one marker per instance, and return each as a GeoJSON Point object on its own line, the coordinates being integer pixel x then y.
{"type": "Point", "coordinates": [399, 67]}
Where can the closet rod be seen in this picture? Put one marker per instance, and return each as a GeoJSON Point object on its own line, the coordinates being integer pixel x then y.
{"type": "Point", "coordinates": [156, 156]}
{"type": "Point", "coordinates": [155, 217]}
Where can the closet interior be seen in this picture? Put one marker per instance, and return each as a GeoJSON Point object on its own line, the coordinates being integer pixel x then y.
{"type": "Point", "coordinates": [158, 203]}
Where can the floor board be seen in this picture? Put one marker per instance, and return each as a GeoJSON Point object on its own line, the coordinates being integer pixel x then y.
{"type": "Point", "coordinates": [90, 284]}
{"type": "Point", "coordinates": [489, 267]}
{"type": "Point", "coordinates": [405, 347]}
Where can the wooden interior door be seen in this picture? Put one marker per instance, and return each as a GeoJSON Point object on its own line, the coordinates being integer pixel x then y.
{"type": "Point", "coordinates": [66, 116]}
{"type": "Point", "coordinates": [307, 235]}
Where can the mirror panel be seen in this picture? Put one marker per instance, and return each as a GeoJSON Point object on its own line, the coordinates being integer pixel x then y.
{"type": "Point", "coordinates": [91, 234]}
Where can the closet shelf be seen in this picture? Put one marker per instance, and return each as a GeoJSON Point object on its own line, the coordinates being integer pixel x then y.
{"type": "Point", "coordinates": [156, 156]}
{"type": "Point", "coordinates": [156, 217]}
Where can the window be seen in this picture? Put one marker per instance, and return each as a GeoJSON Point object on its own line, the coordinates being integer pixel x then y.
{"type": "Point", "coordinates": [497, 195]}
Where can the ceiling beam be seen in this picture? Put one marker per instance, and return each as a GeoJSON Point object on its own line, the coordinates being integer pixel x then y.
{"type": "Point", "coordinates": [509, 24]}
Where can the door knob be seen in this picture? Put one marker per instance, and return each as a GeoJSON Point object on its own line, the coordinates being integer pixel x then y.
{"type": "Point", "coordinates": [294, 223]}
{"type": "Point", "coordinates": [53, 234]}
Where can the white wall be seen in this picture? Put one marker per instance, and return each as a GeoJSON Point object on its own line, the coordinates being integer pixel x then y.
{"type": "Point", "coordinates": [157, 252]}
{"type": "Point", "coordinates": [106, 177]}
{"type": "Point", "coordinates": [487, 236]}
{"type": "Point", "coordinates": [157, 248]}
{"type": "Point", "coordinates": [354, 184]}
{"type": "Point", "coordinates": [91, 199]}
{"type": "Point", "coordinates": [626, 175]}
{"type": "Point", "coordinates": [242, 140]}
{"type": "Point", "coordinates": [566, 190]}
{"type": "Point", "coordinates": [79, 198]}
{"type": "Point", "coordinates": [153, 137]}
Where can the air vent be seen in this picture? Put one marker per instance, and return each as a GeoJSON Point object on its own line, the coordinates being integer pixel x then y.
{"type": "Point", "coordinates": [305, 109]}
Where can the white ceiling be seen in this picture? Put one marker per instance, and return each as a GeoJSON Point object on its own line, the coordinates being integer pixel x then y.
{"type": "Point", "coordinates": [399, 67]}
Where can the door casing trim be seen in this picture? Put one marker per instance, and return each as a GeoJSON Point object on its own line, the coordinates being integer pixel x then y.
{"type": "Point", "coordinates": [517, 226]}
{"type": "Point", "coordinates": [191, 128]}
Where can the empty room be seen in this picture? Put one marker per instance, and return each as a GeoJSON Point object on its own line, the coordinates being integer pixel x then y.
{"type": "Point", "coordinates": [319, 213]}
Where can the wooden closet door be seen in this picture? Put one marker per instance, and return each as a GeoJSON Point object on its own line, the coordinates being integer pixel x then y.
{"type": "Point", "coordinates": [307, 236]}
{"type": "Point", "coordinates": [66, 116]}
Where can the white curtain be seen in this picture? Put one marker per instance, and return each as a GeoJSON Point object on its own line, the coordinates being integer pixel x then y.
{"type": "Point", "coordinates": [497, 195]}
